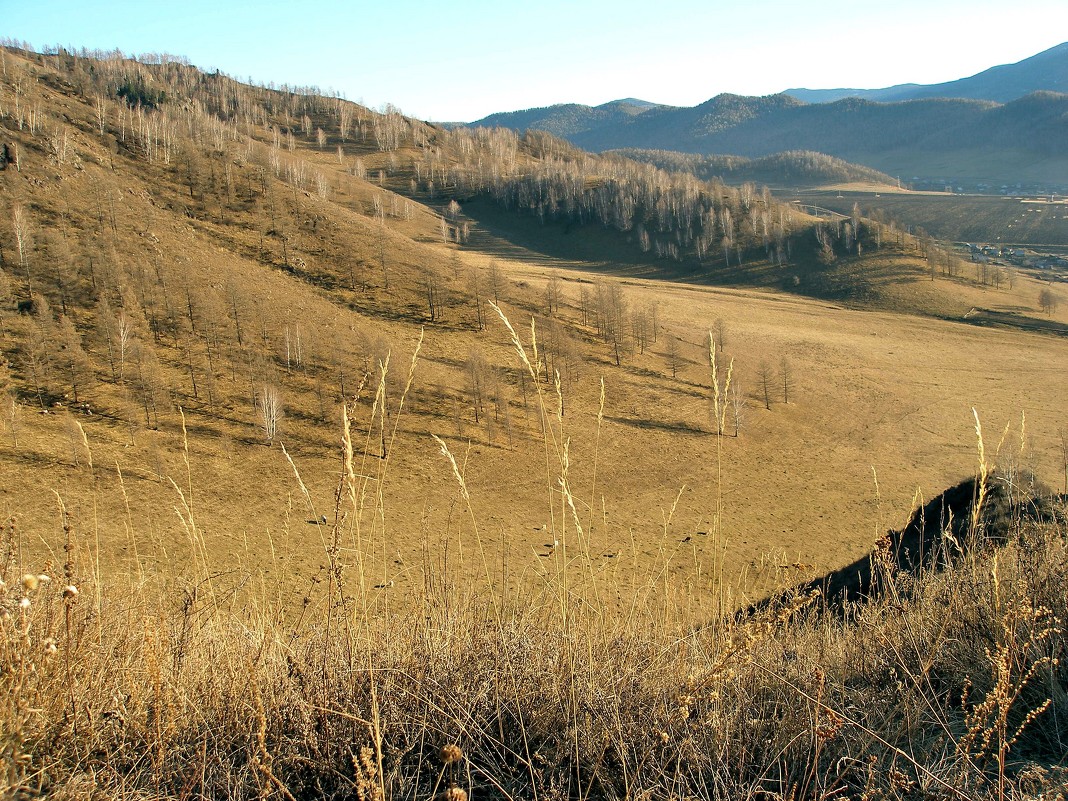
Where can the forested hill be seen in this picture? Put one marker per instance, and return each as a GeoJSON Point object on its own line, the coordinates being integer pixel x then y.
{"type": "Point", "coordinates": [568, 119]}
{"type": "Point", "coordinates": [1025, 140]}
{"type": "Point", "coordinates": [794, 168]}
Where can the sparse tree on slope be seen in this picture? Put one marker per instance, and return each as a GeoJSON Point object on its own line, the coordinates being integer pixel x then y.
{"type": "Point", "coordinates": [765, 379]}
{"type": "Point", "coordinates": [269, 406]}
{"type": "Point", "coordinates": [1047, 300]}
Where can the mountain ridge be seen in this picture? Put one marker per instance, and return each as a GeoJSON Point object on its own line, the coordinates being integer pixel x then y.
{"type": "Point", "coordinates": [958, 139]}
{"type": "Point", "coordinates": [1013, 140]}
{"type": "Point", "coordinates": [1047, 71]}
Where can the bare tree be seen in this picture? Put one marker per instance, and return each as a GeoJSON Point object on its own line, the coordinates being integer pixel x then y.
{"type": "Point", "coordinates": [431, 283]}
{"type": "Point", "coordinates": [382, 254]}
{"type": "Point", "coordinates": [344, 120]}
{"type": "Point", "coordinates": [612, 318]}
{"type": "Point", "coordinates": [719, 329]}
{"type": "Point", "coordinates": [674, 356]}
{"type": "Point", "coordinates": [269, 406]}
{"type": "Point", "coordinates": [552, 297]}
{"type": "Point", "coordinates": [495, 281]}
{"type": "Point", "coordinates": [9, 404]}
{"type": "Point", "coordinates": [1047, 300]}
{"type": "Point", "coordinates": [151, 385]}
{"type": "Point", "coordinates": [124, 340]}
{"type": "Point", "coordinates": [584, 303]}
{"type": "Point", "coordinates": [72, 359]}
{"type": "Point", "coordinates": [786, 378]}
{"type": "Point", "coordinates": [639, 328]}
{"type": "Point", "coordinates": [765, 379]}
{"type": "Point", "coordinates": [475, 374]}
{"type": "Point", "coordinates": [35, 358]}
{"type": "Point", "coordinates": [21, 224]}
{"type": "Point", "coordinates": [475, 287]}
{"type": "Point", "coordinates": [13, 416]}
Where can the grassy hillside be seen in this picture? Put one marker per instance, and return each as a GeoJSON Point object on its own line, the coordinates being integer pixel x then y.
{"type": "Point", "coordinates": [307, 508]}
{"type": "Point", "coordinates": [183, 267]}
{"type": "Point", "coordinates": [949, 684]}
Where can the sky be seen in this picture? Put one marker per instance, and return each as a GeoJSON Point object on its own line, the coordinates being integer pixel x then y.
{"type": "Point", "coordinates": [465, 59]}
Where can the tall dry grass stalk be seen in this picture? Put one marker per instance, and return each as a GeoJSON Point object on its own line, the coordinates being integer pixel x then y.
{"type": "Point", "coordinates": [720, 406]}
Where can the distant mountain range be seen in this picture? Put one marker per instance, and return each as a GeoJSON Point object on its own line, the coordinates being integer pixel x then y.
{"type": "Point", "coordinates": [570, 119]}
{"type": "Point", "coordinates": [1047, 71]}
{"type": "Point", "coordinates": [1016, 133]}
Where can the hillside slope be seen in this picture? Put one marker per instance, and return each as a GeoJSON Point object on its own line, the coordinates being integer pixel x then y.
{"type": "Point", "coordinates": [196, 271]}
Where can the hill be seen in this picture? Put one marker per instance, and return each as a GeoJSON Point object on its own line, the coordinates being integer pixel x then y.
{"type": "Point", "coordinates": [796, 168]}
{"type": "Point", "coordinates": [291, 511]}
{"type": "Point", "coordinates": [195, 270]}
{"type": "Point", "coordinates": [568, 119]}
{"type": "Point", "coordinates": [1045, 72]}
{"type": "Point", "coordinates": [1008, 220]}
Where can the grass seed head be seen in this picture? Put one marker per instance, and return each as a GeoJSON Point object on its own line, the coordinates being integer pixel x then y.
{"type": "Point", "coordinates": [450, 754]}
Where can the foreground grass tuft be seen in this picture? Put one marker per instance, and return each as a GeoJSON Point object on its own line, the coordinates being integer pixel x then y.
{"type": "Point", "coordinates": [951, 685]}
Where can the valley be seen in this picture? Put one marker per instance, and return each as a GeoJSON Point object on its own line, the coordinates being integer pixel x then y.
{"type": "Point", "coordinates": [344, 454]}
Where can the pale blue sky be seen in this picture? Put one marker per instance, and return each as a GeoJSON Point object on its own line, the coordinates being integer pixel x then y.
{"type": "Point", "coordinates": [464, 59]}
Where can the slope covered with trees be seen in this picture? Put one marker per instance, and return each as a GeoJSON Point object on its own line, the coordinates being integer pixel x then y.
{"type": "Point", "coordinates": [125, 179]}
{"type": "Point", "coordinates": [795, 168]}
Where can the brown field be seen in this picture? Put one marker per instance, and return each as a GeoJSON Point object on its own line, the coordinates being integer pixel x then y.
{"type": "Point", "coordinates": [880, 415]}
{"type": "Point", "coordinates": [880, 412]}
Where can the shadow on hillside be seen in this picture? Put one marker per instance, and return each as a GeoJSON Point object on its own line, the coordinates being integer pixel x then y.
{"type": "Point", "coordinates": [568, 246]}
{"type": "Point", "coordinates": [594, 249]}
{"type": "Point", "coordinates": [658, 425]}
{"type": "Point", "coordinates": [644, 372]}
{"type": "Point", "coordinates": [939, 534]}
{"type": "Point", "coordinates": [988, 318]}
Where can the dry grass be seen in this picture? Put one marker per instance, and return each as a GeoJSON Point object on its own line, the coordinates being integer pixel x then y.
{"type": "Point", "coordinates": [558, 686]}
{"type": "Point", "coordinates": [878, 390]}
{"type": "Point", "coordinates": [228, 619]}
